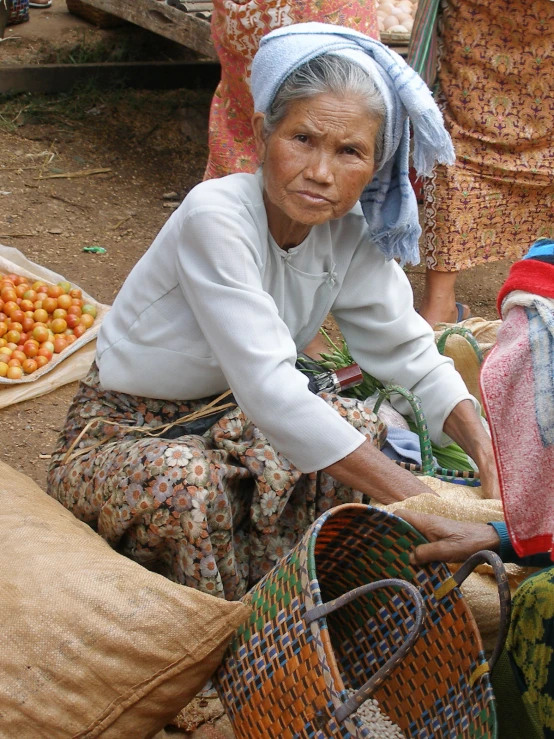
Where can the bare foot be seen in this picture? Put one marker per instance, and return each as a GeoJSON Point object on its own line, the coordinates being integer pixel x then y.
{"type": "Point", "coordinates": [446, 316]}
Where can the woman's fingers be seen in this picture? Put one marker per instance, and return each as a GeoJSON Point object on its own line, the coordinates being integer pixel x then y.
{"type": "Point", "coordinates": [449, 541]}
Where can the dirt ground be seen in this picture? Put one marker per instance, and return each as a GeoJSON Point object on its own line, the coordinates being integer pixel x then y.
{"type": "Point", "coordinates": [153, 143]}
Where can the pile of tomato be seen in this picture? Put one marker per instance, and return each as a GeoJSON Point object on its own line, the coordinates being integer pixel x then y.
{"type": "Point", "coordinates": [37, 321]}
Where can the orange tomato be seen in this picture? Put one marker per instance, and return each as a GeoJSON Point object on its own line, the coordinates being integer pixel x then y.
{"type": "Point", "coordinates": [3, 369]}
{"type": "Point", "coordinates": [50, 304]}
{"type": "Point", "coordinates": [54, 291]}
{"type": "Point", "coordinates": [30, 349]}
{"type": "Point", "coordinates": [59, 325]}
{"type": "Point", "coordinates": [40, 333]}
{"type": "Point", "coordinates": [65, 301]}
{"type": "Point", "coordinates": [29, 366]}
{"type": "Point", "coordinates": [40, 315]}
{"type": "Point", "coordinates": [14, 373]}
{"type": "Point", "coordinates": [41, 361]}
{"type": "Point", "coordinates": [87, 320]}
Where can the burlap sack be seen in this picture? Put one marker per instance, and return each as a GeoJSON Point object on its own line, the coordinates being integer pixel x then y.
{"type": "Point", "coordinates": [91, 643]}
{"type": "Point", "coordinates": [464, 503]}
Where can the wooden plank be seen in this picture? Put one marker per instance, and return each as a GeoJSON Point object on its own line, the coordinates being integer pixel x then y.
{"type": "Point", "coordinates": [141, 75]}
{"type": "Point", "coordinates": [185, 28]}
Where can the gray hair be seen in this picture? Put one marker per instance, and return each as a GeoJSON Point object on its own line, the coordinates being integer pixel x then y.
{"type": "Point", "coordinates": [328, 73]}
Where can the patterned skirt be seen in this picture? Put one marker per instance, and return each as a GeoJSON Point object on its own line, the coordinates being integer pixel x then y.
{"type": "Point", "coordinates": [237, 28]}
{"type": "Point", "coordinates": [531, 645]}
{"type": "Point", "coordinates": [213, 512]}
{"type": "Point", "coordinates": [496, 90]}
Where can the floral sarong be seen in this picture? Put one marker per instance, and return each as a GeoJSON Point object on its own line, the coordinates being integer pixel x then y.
{"type": "Point", "coordinates": [213, 512]}
{"type": "Point", "coordinates": [236, 31]}
{"type": "Point", "coordinates": [496, 90]}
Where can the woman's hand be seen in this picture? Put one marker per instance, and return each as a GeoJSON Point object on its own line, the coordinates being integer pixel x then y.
{"type": "Point", "coordinates": [368, 470]}
{"type": "Point", "coordinates": [450, 541]}
{"type": "Point", "coordinates": [465, 427]}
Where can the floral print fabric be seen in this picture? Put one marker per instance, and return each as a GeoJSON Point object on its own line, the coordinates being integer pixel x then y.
{"type": "Point", "coordinates": [531, 644]}
{"type": "Point", "coordinates": [236, 31]}
{"type": "Point", "coordinates": [496, 90]}
{"type": "Point", "coordinates": [213, 512]}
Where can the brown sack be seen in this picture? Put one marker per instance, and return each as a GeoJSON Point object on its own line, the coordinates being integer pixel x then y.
{"type": "Point", "coordinates": [91, 643]}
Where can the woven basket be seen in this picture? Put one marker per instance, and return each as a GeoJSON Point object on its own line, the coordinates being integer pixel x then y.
{"type": "Point", "coordinates": [98, 17]}
{"type": "Point", "coordinates": [311, 637]}
{"type": "Point", "coordinates": [427, 466]}
{"type": "Point", "coordinates": [18, 11]}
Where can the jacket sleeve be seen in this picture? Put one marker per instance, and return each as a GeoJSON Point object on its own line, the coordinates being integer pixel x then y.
{"type": "Point", "coordinates": [392, 342]}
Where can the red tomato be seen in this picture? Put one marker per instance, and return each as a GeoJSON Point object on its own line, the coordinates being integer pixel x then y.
{"type": "Point", "coordinates": [59, 344]}
{"type": "Point", "coordinates": [10, 306]}
{"type": "Point", "coordinates": [72, 320]}
{"type": "Point", "coordinates": [17, 316]}
{"type": "Point", "coordinates": [8, 293]}
{"type": "Point", "coordinates": [46, 353]}
{"type": "Point", "coordinates": [26, 305]}
{"type": "Point", "coordinates": [30, 349]}
{"type": "Point", "coordinates": [79, 330]}
{"type": "Point", "coordinates": [28, 324]}
{"type": "Point", "coordinates": [21, 289]}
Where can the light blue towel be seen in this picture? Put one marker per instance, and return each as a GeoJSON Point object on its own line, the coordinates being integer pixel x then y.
{"type": "Point", "coordinates": [402, 445]}
{"type": "Point", "coordinates": [389, 203]}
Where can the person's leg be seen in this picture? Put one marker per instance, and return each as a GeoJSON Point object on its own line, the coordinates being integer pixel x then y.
{"type": "Point", "coordinates": [439, 298]}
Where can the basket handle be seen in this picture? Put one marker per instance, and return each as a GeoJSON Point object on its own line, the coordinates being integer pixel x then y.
{"type": "Point", "coordinates": [468, 336]}
{"type": "Point", "coordinates": [504, 595]}
{"type": "Point", "coordinates": [353, 703]}
{"type": "Point", "coordinates": [427, 462]}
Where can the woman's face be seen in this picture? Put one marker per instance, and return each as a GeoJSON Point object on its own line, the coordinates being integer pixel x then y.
{"type": "Point", "coordinates": [318, 160]}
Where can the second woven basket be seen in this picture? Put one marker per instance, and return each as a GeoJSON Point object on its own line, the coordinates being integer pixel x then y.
{"type": "Point", "coordinates": [316, 631]}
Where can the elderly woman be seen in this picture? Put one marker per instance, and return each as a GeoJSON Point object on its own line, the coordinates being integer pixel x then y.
{"type": "Point", "coordinates": [237, 282]}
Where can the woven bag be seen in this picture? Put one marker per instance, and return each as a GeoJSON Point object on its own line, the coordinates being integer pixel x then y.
{"type": "Point", "coordinates": [18, 11]}
{"type": "Point", "coordinates": [427, 466]}
{"type": "Point", "coordinates": [326, 619]}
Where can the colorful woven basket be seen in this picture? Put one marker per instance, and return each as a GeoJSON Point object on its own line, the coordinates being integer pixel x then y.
{"type": "Point", "coordinates": [18, 11]}
{"type": "Point", "coordinates": [316, 632]}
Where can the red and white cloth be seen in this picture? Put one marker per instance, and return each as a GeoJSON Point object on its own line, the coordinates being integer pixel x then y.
{"type": "Point", "coordinates": [517, 385]}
